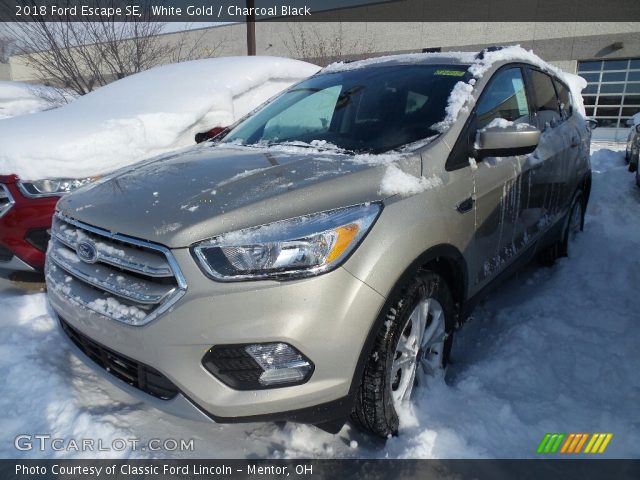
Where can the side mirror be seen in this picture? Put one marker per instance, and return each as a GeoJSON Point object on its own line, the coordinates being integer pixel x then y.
{"type": "Point", "coordinates": [629, 122]}
{"type": "Point", "coordinates": [516, 139]}
{"type": "Point", "coordinates": [638, 128]}
{"type": "Point", "coordinates": [592, 124]}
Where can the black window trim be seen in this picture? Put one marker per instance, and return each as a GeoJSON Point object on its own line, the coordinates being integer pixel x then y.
{"type": "Point", "coordinates": [557, 81]}
{"type": "Point", "coordinates": [531, 68]}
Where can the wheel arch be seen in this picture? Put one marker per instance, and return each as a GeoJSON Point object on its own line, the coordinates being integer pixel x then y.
{"type": "Point", "coordinates": [445, 260]}
{"type": "Point", "coordinates": [585, 187]}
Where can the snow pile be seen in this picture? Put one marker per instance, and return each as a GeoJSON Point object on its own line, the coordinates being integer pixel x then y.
{"type": "Point", "coordinates": [552, 350]}
{"type": "Point", "coordinates": [397, 182]}
{"type": "Point", "coordinates": [143, 115]}
{"type": "Point", "coordinates": [460, 101]}
{"type": "Point", "coordinates": [504, 123]}
{"type": "Point", "coordinates": [41, 383]}
{"type": "Point", "coordinates": [18, 98]}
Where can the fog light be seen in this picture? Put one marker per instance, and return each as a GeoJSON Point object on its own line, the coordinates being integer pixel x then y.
{"type": "Point", "coordinates": [258, 366]}
{"type": "Point", "coordinates": [281, 363]}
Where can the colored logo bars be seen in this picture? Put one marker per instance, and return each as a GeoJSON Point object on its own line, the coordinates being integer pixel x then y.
{"type": "Point", "coordinates": [574, 442]}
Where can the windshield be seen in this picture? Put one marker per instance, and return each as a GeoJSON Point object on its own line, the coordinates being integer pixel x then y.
{"type": "Point", "coordinates": [372, 109]}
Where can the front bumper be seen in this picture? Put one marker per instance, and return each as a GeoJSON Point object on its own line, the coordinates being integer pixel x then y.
{"type": "Point", "coordinates": [26, 217]}
{"type": "Point", "coordinates": [327, 318]}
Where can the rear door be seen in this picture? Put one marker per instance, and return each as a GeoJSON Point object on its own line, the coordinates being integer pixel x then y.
{"type": "Point", "coordinates": [549, 162]}
{"type": "Point", "coordinates": [572, 129]}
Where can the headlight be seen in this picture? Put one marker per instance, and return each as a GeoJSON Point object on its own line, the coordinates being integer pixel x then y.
{"type": "Point", "coordinates": [302, 246]}
{"type": "Point", "coordinates": [52, 187]}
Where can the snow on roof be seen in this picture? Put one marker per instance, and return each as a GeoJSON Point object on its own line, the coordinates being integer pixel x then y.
{"type": "Point", "coordinates": [516, 53]}
{"type": "Point", "coordinates": [461, 98]}
{"type": "Point", "coordinates": [143, 115]}
{"type": "Point", "coordinates": [18, 98]}
{"type": "Point", "coordinates": [443, 57]}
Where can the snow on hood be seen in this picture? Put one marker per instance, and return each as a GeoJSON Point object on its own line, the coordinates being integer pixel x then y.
{"type": "Point", "coordinates": [17, 98]}
{"type": "Point", "coordinates": [143, 115]}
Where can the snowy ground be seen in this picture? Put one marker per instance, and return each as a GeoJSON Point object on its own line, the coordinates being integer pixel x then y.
{"type": "Point", "coordinates": [553, 350]}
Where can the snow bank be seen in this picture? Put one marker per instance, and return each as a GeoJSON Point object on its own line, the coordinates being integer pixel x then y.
{"type": "Point", "coordinates": [552, 350]}
{"type": "Point", "coordinates": [18, 98]}
{"type": "Point", "coordinates": [143, 115]}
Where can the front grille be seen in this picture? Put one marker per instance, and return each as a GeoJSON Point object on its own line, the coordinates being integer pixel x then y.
{"type": "Point", "coordinates": [128, 280]}
{"type": "Point", "coordinates": [136, 374]}
{"type": "Point", "coordinates": [6, 200]}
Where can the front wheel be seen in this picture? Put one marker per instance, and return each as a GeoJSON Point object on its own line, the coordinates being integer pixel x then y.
{"type": "Point", "coordinates": [411, 348]}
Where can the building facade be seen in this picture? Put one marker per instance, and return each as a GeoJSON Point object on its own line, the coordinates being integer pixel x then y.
{"type": "Point", "coordinates": [607, 54]}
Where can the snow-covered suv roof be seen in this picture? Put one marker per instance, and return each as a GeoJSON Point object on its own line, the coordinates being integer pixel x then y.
{"type": "Point", "coordinates": [477, 63]}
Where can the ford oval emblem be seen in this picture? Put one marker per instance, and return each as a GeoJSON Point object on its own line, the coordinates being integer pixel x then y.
{"type": "Point", "coordinates": [87, 251]}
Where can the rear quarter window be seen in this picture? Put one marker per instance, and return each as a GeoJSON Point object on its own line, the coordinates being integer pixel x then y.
{"type": "Point", "coordinates": [547, 106]}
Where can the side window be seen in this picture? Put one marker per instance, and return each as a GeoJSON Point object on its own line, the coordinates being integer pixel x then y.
{"type": "Point", "coordinates": [547, 107]}
{"type": "Point", "coordinates": [505, 97]}
{"type": "Point", "coordinates": [564, 95]}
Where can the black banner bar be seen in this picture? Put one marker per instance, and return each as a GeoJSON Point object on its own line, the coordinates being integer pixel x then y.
{"type": "Point", "coordinates": [321, 469]}
{"type": "Point", "coordinates": [322, 10]}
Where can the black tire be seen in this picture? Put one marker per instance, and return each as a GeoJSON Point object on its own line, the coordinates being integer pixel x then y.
{"type": "Point", "coordinates": [638, 177]}
{"type": "Point", "coordinates": [373, 410]}
{"type": "Point", "coordinates": [560, 248]}
{"type": "Point", "coordinates": [577, 208]}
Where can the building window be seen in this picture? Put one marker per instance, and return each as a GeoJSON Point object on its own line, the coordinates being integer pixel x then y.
{"type": "Point", "coordinates": [612, 94]}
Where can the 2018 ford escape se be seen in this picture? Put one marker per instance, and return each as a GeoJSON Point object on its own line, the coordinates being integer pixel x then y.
{"type": "Point", "coordinates": [312, 263]}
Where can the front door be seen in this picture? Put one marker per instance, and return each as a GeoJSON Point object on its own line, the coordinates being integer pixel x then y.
{"type": "Point", "coordinates": [502, 185]}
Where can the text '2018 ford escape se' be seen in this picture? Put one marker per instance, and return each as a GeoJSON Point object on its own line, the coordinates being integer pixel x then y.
{"type": "Point", "coordinates": [311, 263]}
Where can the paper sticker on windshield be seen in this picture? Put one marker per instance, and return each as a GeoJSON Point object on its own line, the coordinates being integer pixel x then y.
{"type": "Point", "coordinates": [450, 73]}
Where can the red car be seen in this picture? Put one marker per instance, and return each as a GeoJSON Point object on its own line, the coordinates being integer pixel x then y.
{"type": "Point", "coordinates": [25, 216]}
{"type": "Point", "coordinates": [25, 219]}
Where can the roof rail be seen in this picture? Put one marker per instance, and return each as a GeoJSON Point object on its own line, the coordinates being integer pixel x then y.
{"type": "Point", "coordinates": [492, 48]}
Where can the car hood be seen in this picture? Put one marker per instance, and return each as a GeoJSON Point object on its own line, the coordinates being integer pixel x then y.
{"type": "Point", "coordinates": [194, 195]}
